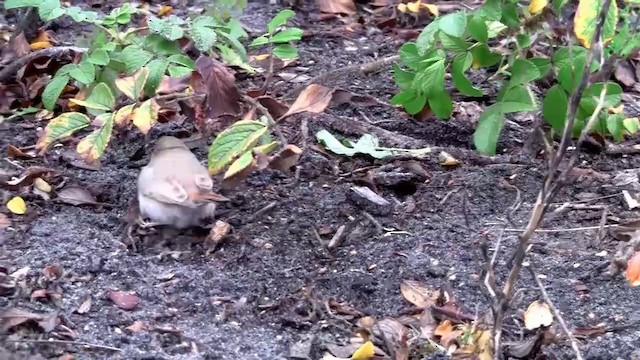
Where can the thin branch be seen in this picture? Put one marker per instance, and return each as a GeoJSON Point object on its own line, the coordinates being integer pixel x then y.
{"type": "Point", "coordinates": [53, 52]}
{"type": "Point", "coordinates": [272, 122]}
{"type": "Point", "coordinates": [67, 342]}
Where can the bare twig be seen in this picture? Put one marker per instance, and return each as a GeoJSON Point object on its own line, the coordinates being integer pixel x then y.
{"type": "Point", "coordinates": [337, 238]}
{"type": "Point", "coordinates": [556, 313]}
{"type": "Point", "coordinates": [552, 182]}
{"type": "Point", "coordinates": [265, 112]}
{"type": "Point", "coordinates": [53, 52]}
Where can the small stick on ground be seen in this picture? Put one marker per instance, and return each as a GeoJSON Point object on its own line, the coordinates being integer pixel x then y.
{"type": "Point", "coordinates": [337, 238]}
{"type": "Point", "coordinates": [67, 342]}
{"type": "Point", "coordinates": [556, 313]}
{"type": "Point", "coordinates": [376, 223]}
{"type": "Point", "coordinates": [265, 112]}
{"type": "Point", "coordinates": [264, 210]}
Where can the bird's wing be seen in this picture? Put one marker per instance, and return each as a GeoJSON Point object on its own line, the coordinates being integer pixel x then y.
{"type": "Point", "coordinates": [163, 189]}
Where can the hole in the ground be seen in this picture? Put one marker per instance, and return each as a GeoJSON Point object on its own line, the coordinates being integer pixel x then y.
{"type": "Point", "coordinates": [405, 188]}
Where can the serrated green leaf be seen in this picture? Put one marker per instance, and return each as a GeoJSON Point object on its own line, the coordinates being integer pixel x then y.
{"type": "Point", "coordinates": [182, 60]}
{"type": "Point", "coordinates": [134, 57]}
{"type": "Point", "coordinates": [146, 115]}
{"type": "Point", "coordinates": [568, 54]}
{"type": "Point", "coordinates": [84, 72]}
{"type": "Point", "coordinates": [14, 4]}
{"type": "Point", "coordinates": [410, 56]}
{"type": "Point", "coordinates": [615, 126]}
{"type": "Point", "coordinates": [241, 163]}
{"type": "Point", "coordinates": [262, 40]}
{"type": "Point", "coordinates": [403, 78]}
{"type": "Point", "coordinates": [239, 138]}
{"type": "Point", "coordinates": [178, 71]}
{"type": "Point", "coordinates": [454, 24]}
{"type": "Point", "coordinates": [203, 37]}
{"type": "Point", "coordinates": [517, 94]}
{"type": "Point", "coordinates": [50, 9]}
{"type": "Point", "coordinates": [287, 35]}
{"type": "Point", "coordinates": [280, 19]}
{"type": "Point", "coordinates": [524, 40]}
{"type": "Point", "coordinates": [510, 15]}
{"type": "Point", "coordinates": [62, 126]}
{"type": "Point", "coordinates": [491, 10]}
{"type": "Point", "coordinates": [285, 52]}
{"type": "Point", "coordinates": [441, 105]}
{"type": "Point", "coordinates": [454, 44]}
{"type": "Point", "coordinates": [99, 57]}
{"type": "Point", "coordinates": [478, 29]}
{"type": "Point", "coordinates": [157, 68]}
{"type": "Point", "coordinates": [487, 133]}
{"type": "Point", "coordinates": [483, 56]}
{"type": "Point", "coordinates": [431, 79]}
{"type": "Point", "coordinates": [543, 65]}
{"type": "Point", "coordinates": [631, 125]}
{"type": "Point", "coordinates": [53, 90]}
{"type": "Point", "coordinates": [100, 98]}
{"type": "Point", "coordinates": [571, 73]}
{"type": "Point", "coordinates": [460, 64]}
{"type": "Point", "coordinates": [92, 147]}
{"type": "Point", "coordinates": [522, 72]}
{"type": "Point", "coordinates": [427, 37]}
{"type": "Point", "coordinates": [613, 95]}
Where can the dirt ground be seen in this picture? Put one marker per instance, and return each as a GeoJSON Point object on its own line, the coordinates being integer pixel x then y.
{"type": "Point", "coordinates": [257, 296]}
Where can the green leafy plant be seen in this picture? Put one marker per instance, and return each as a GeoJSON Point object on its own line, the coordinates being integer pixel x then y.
{"type": "Point", "coordinates": [461, 41]}
{"type": "Point", "coordinates": [279, 37]}
{"type": "Point", "coordinates": [115, 50]}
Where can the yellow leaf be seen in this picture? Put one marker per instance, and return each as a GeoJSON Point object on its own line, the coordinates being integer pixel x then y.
{"type": "Point", "coordinates": [62, 126]}
{"type": "Point", "coordinates": [633, 270]}
{"type": "Point", "coordinates": [164, 10]}
{"type": "Point", "coordinates": [92, 147]}
{"type": "Point", "coordinates": [414, 7]}
{"type": "Point", "coordinates": [536, 6]}
{"type": "Point", "coordinates": [585, 20]}
{"type": "Point", "coordinates": [146, 115]}
{"type": "Point", "coordinates": [402, 8]}
{"type": "Point", "coordinates": [17, 206]}
{"type": "Point", "coordinates": [41, 185]}
{"type": "Point", "coordinates": [40, 45]}
{"type": "Point", "coordinates": [616, 110]}
{"type": "Point", "coordinates": [432, 9]}
{"type": "Point", "coordinates": [538, 314]}
{"type": "Point", "coordinates": [133, 86]}
{"type": "Point", "coordinates": [243, 162]}
{"type": "Point", "coordinates": [364, 352]}
{"type": "Point", "coordinates": [123, 114]}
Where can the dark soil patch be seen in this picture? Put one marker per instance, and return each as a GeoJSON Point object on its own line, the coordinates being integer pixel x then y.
{"type": "Point", "coordinates": [275, 262]}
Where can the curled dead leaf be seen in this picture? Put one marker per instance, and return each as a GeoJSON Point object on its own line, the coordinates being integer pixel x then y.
{"type": "Point", "coordinates": [217, 233]}
{"type": "Point", "coordinates": [314, 99]}
{"type": "Point", "coordinates": [347, 7]}
{"type": "Point", "coordinates": [417, 293]}
{"type": "Point", "coordinates": [538, 314]}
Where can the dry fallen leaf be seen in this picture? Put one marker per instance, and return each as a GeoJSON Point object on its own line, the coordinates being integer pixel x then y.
{"type": "Point", "coordinates": [286, 158]}
{"type": "Point", "coordinates": [314, 99]}
{"type": "Point", "coordinates": [75, 195]}
{"type": "Point", "coordinates": [447, 160]}
{"type": "Point", "coordinates": [417, 293]}
{"type": "Point", "coordinates": [633, 269]}
{"type": "Point", "coordinates": [85, 306]}
{"type": "Point", "coordinates": [123, 300]}
{"type": "Point", "coordinates": [538, 314]}
{"type": "Point", "coordinates": [42, 185]}
{"type": "Point", "coordinates": [17, 205]}
{"type": "Point", "coordinates": [217, 233]}
{"type": "Point", "coordinates": [347, 7]}
{"type": "Point", "coordinates": [137, 326]}
{"type": "Point", "coordinates": [364, 352]}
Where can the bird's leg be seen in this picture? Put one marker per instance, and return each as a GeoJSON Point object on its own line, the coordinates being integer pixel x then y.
{"type": "Point", "coordinates": [146, 224]}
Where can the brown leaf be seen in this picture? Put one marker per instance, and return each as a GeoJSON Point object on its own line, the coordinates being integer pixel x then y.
{"type": "Point", "coordinates": [172, 85]}
{"type": "Point", "coordinates": [343, 97]}
{"type": "Point", "coordinates": [417, 293]}
{"type": "Point", "coordinates": [137, 326]}
{"type": "Point", "coordinates": [347, 7]}
{"type": "Point", "coordinates": [15, 317]}
{"type": "Point", "coordinates": [76, 195]}
{"type": "Point", "coordinates": [625, 73]}
{"type": "Point", "coordinates": [4, 221]}
{"type": "Point", "coordinates": [123, 300]}
{"type": "Point", "coordinates": [276, 108]}
{"type": "Point", "coordinates": [315, 99]}
{"type": "Point", "coordinates": [20, 45]}
{"type": "Point", "coordinates": [217, 233]}
{"type": "Point", "coordinates": [286, 158]}
{"type": "Point", "coordinates": [27, 177]}
{"type": "Point", "coordinates": [219, 85]}
{"type": "Point", "coordinates": [85, 306]}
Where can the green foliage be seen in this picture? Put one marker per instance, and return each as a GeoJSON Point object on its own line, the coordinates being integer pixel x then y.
{"type": "Point", "coordinates": [459, 42]}
{"type": "Point", "coordinates": [279, 37]}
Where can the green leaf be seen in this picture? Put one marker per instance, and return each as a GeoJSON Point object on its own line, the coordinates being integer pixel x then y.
{"type": "Point", "coordinates": [285, 52]}
{"type": "Point", "coordinates": [615, 126]}
{"type": "Point", "coordinates": [50, 9]}
{"type": "Point", "coordinates": [483, 57]}
{"type": "Point", "coordinates": [517, 94]}
{"type": "Point", "coordinates": [239, 138]}
{"type": "Point", "coordinates": [454, 24]}
{"type": "Point", "coordinates": [280, 19]}
{"type": "Point", "coordinates": [133, 86]}
{"type": "Point", "coordinates": [441, 105]}
{"type": "Point", "coordinates": [522, 72]}
{"type": "Point", "coordinates": [431, 79]}
{"type": "Point", "coordinates": [14, 4]}
{"type": "Point", "coordinates": [92, 147]}
{"type": "Point", "coordinates": [570, 74]}
{"type": "Point", "coordinates": [85, 72]}
{"type": "Point", "coordinates": [99, 57]}
{"type": "Point", "coordinates": [203, 37]}
{"type": "Point", "coordinates": [554, 107]}
{"type": "Point", "coordinates": [487, 133]}
{"type": "Point", "coordinates": [178, 71]}
{"type": "Point", "coordinates": [631, 125]}
{"type": "Point", "coordinates": [157, 68]}
{"type": "Point", "coordinates": [613, 95]}
{"type": "Point", "coordinates": [286, 35]}
{"type": "Point", "coordinates": [568, 54]}
{"type": "Point", "coordinates": [478, 29]}
{"type": "Point", "coordinates": [403, 97]}
{"type": "Point", "coordinates": [135, 57]}
{"type": "Point", "coordinates": [491, 10]}
{"type": "Point", "coordinates": [460, 64]}
{"type": "Point", "coordinates": [524, 40]}
{"type": "Point", "coordinates": [559, 4]}
{"type": "Point", "coordinates": [243, 162]}
{"type": "Point", "coordinates": [410, 56]}
{"type": "Point", "coordinates": [454, 44]}
{"type": "Point", "coordinates": [182, 60]}
{"type": "Point", "coordinates": [161, 46]}
{"type": "Point", "coordinates": [262, 40]}
{"type": "Point", "coordinates": [427, 36]}
{"type": "Point", "coordinates": [543, 65]}
{"type": "Point", "coordinates": [403, 78]}
{"type": "Point", "coordinates": [53, 90]}
{"type": "Point", "coordinates": [62, 126]}
{"type": "Point", "coordinates": [100, 98]}
{"type": "Point", "coordinates": [586, 17]}
{"type": "Point", "coordinates": [510, 15]}
{"type": "Point", "coordinates": [412, 101]}
{"type": "Point", "coordinates": [510, 107]}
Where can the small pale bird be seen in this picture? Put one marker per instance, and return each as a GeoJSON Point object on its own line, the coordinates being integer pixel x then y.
{"type": "Point", "coordinates": [175, 188]}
